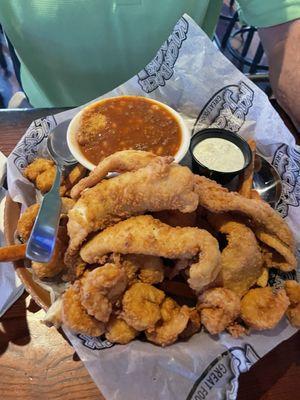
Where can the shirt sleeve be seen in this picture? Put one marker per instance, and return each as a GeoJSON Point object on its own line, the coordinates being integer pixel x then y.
{"type": "Point", "coordinates": [264, 13]}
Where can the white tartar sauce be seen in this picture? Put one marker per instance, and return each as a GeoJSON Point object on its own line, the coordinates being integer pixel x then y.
{"type": "Point", "coordinates": [219, 155]}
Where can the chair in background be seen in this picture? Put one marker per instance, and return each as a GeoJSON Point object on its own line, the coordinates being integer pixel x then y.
{"type": "Point", "coordinates": [241, 45]}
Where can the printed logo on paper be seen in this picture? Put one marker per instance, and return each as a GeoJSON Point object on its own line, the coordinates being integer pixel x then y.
{"type": "Point", "coordinates": [227, 109]}
{"type": "Point", "coordinates": [222, 374]}
{"type": "Point", "coordinates": [277, 277]}
{"type": "Point", "coordinates": [287, 162]}
{"type": "Point", "coordinates": [94, 343]}
{"type": "Point", "coordinates": [161, 68]}
{"type": "Point", "coordinates": [26, 150]}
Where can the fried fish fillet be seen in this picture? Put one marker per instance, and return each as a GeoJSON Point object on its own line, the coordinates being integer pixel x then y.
{"type": "Point", "coordinates": [146, 235]}
{"type": "Point", "coordinates": [290, 261]}
{"type": "Point", "coordinates": [217, 199]}
{"type": "Point", "coordinates": [158, 186]}
{"type": "Point", "coordinates": [121, 161]}
{"type": "Point", "coordinates": [241, 259]}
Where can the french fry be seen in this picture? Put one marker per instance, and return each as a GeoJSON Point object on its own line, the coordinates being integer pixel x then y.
{"type": "Point", "coordinates": [13, 253]}
{"type": "Point", "coordinates": [246, 186]}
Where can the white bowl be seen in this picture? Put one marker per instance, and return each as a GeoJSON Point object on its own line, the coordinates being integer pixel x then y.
{"type": "Point", "coordinates": [80, 157]}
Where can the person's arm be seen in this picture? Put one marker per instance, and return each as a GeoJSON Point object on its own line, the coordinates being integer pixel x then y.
{"type": "Point", "coordinates": [282, 46]}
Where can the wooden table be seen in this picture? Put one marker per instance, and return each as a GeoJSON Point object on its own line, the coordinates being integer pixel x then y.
{"type": "Point", "coordinates": [37, 363]}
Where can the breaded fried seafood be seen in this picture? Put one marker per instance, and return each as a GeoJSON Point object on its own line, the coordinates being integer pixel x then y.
{"type": "Point", "coordinates": [118, 331]}
{"type": "Point", "coordinates": [141, 306]}
{"type": "Point", "coordinates": [174, 320]}
{"type": "Point", "coordinates": [219, 307]}
{"type": "Point", "coordinates": [146, 235]}
{"type": "Point", "coordinates": [74, 315]}
{"type": "Point", "coordinates": [241, 259]}
{"type": "Point", "coordinates": [101, 288]}
{"type": "Point", "coordinates": [263, 308]}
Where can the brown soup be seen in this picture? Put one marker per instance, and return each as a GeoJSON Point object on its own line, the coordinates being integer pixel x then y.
{"type": "Point", "coordinates": [127, 122]}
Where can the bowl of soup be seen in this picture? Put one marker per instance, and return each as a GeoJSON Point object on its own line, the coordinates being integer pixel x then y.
{"type": "Point", "coordinates": [123, 123]}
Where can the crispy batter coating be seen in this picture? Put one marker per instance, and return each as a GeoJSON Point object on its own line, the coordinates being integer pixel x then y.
{"type": "Point", "coordinates": [237, 330]}
{"type": "Point", "coordinates": [38, 167]}
{"type": "Point", "coordinates": [75, 317]}
{"type": "Point", "coordinates": [293, 314]}
{"type": "Point", "coordinates": [263, 308]}
{"type": "Point", "coordinates": [121, 161]}
{"type": "Point", "coordinates": [193, 325]}
{"type": "Point", "coordinates": [272, 259]}
{"type": "Point", "coordinates": [219, 307]}
{"type": "Point", "coordinates": [218, 199]}
{"type": "Point", "coordinates": [281, 248]}
{"type": "Point", "coordinates": [66, 205]}
{"type": "Point", "coordinates": [174, 321]}
{"type": "Point", "coordinates": [101, 288]}
{"type": "Point", "coordinates": [131, 269]}
{"type": "Point", "coordinates": [76, 174]}
{"type": "Point", "coordinates": [131, 193]}
{"type": "Point", "coordinates": [74, 271]}
{"type": "Point", "coordinates": [148, 269]}
{"type": "Point", "coordinates": [145, 235]}
{"type": "Point", "coordinates": [292, 289]}
{"type": "Point", "coordinates": [141, 306]}
{"type": "Point", "coordinates": [241, 260]}
{"type": "Point", "coordinates": [41, 172]}
{"type": "Point", "coordinates": [262, 281]}
{"type": "Point", "coordinates": [26, 222]}
{"type": "Point", "coordinates": [118, 331]}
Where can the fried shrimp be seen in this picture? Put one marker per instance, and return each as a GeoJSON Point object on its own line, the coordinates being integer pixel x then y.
{"type": "Point", "coordinates": [218, 199]}
{"type": "Point", "coordinates": [241, 259]}
{"type": "Point", "coordinates": [75, 317]}
{"type": "Point", "coordinates": [101, 288]}
{"type": "Point", "coordinates": [146, 235]}
{"type": "Point", "coordinates": [219, 307]}
{"type": "Point", "coordinates": [148, 269]}
{"type": "Point", "coordinates": [121, 161]}
{"type": "Point", "coordinates": [26, 222]}
{"type": "Point", "coordinates": [173, 323]}
{"type": "Point", "coordinates": [141, 306]}
{"type": "Point", "coordinates": [158, 186]}
{"type": "Point", "coordinates": [41, 172]}
{"type": "Point", "coordinates": [193, 325]}
{"type": "Point", "coordinates": [292, 289]}
{"type": "Point", "coordinates": [118, 331]}
{"type": "Point", "coordinates": [263, 308]}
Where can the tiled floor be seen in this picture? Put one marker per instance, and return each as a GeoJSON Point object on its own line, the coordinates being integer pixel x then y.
{"type": "Point", "coordinates": [9, 83]}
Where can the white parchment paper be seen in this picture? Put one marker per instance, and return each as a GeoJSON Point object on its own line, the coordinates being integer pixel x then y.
{"type": "Point", "coordinates": [192, 76]}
